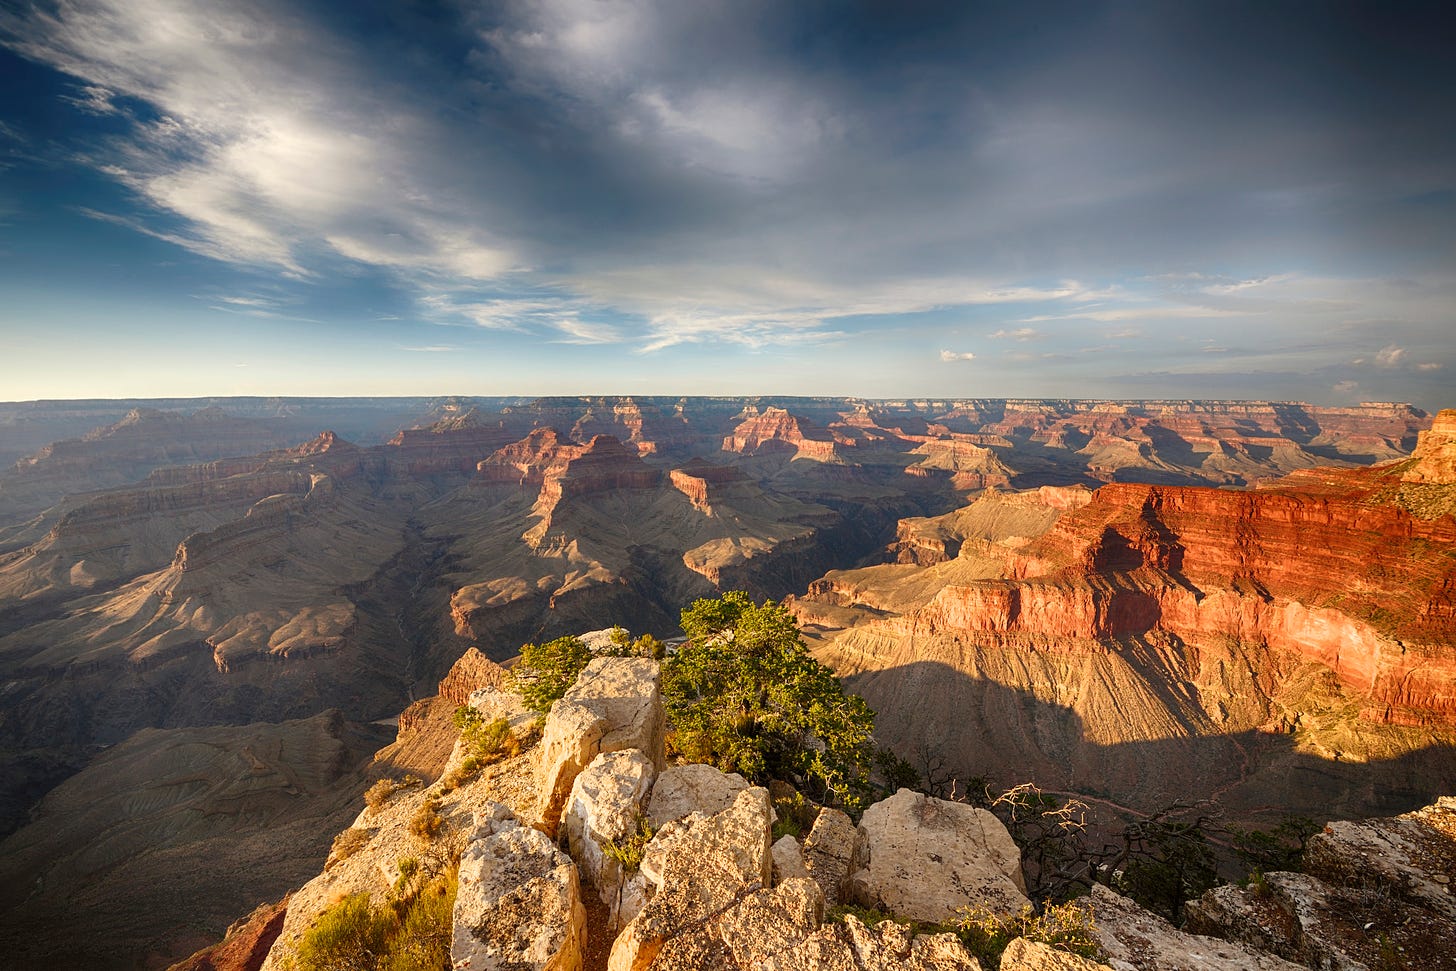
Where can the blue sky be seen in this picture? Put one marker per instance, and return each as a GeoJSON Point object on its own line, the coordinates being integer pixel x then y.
{"type": "Point", "coordinates": [631, 196]}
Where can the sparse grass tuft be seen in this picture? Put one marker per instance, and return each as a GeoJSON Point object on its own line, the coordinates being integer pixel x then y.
{"type": "Point", "coordinates": [346, 844]}
{"type": "Point", "coordinates": [382, 791]}
{"type": "Point", "coordinates": [630, 850]}
{"type": "Point", "coordinates": [1066, 927]}
{"type": "Point", "coordinates": [427, 821]}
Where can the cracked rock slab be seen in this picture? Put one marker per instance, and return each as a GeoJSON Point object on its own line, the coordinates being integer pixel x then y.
{"type": "Point", "coordinates": [615, 704]}
{"type": "Point", "coordinates": [519, 905]}
{"type": "Point", "coordinates": [927, 858]}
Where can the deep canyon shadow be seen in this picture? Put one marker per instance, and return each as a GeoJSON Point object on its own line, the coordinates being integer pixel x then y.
{"type": "Point", "coordinates": [950, 725]}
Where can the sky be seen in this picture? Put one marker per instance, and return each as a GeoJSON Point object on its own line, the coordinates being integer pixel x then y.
{"type": "Point", "coordinates": [1111, 200]}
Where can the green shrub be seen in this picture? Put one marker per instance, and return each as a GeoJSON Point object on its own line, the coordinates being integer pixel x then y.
{"type": "Point", "coordinates": [1175, 863]}
{"type": "Point", "coordinates": [623, 645]}
{"type": "Point", "coordinates": [349, 936]}
{"type": "Point", "coordinates": [1281, 848]}
{"type": "Point", "coordinates": [794, 815]}
{"type": "Point", "coordinates": [545, 671]}
{"type": "Point", "coordinates": [423, 940]}
{"type": "Point", "coordinates": [410, 934]}
{"type": "Point", "coordinates": [744, 695]}
{"type": "Point", "coordinates": [486, 742]}
{"type": "Point", "coordinates": [408, 867]}
{"type": "Point", "coordinates": [866, 915]}
{"type": "Point", "coordinates": [1066, 927]}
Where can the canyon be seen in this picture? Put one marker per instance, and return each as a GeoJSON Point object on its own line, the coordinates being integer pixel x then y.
{"type": "Point", "coordinates": [1287, 649]}
{"type": "Point", "coordinates": [1131, 601]}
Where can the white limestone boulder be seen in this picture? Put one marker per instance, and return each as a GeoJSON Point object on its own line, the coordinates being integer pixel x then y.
{"type": "Point", "coordinates": [615, 704]}
{"type": "Point", "coordinates": [926, 858]}
{"type": "Point", "coordinates": [518, 907]}
{"type": "Point", "coordinates": [788, 860]}
{"type": "Point", "coordinates": [606, 809]}
{"type": "Point", "coordinates": [1026, 955]}
{"type": "Point", "coordinates": [694, 788]}
{"type": "Point", "coordinates": [829, 852]}
{"type": "Point", "coordinates": [888, 946]}
{"type": "Point", "coordinates": [698, 868]}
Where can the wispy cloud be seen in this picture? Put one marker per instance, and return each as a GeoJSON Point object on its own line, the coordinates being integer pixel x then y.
{"type": "Point", "coordinates": [1114, 315]}
{"type": "Point", "coordinates": [1390, 356]}
{"type": "Point", "coordinates": [1019, 334]}
{"type": "Point", "coordinates": [260, 147]}
{"type": "Point", "coordinates": [92, 99]}
{"type": "Point", "coordinates": [948, 355]}
{"type": "Point", "coordinates": [583, 332]}
{"type": "Point", "coordinates": [647, 175]}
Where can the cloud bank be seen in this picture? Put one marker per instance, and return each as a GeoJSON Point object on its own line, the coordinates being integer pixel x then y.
{"type": "Point", "coordinates": [650, 175]}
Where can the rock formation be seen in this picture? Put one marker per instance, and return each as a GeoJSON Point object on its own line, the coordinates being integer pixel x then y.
{"type": "Point", "coordinates": [615, 705]}
{"type": "Point", "coordinates": [606, 810]}
{"type": "Point", "coordinates": [1153, 642]}
{"type": "Point", "coordinates": [1375, 893]}
{"type": "Point", "coordinates": [711, 891]}
{"type": "Point", "coordinates": [519, 901]}
{"type": "Point", "coordinates": [1135, 940]}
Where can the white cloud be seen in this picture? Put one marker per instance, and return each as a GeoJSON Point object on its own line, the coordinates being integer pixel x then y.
{"type": "Point", "coordinates": [617, 60]}
{"type": "Point", "coordinates": [1166, 311]}
{"type": "Point", "coordinates": [93, 99]}
{"type": "Point", "coordinates": [263, 138]}
{"type": "Point", "coordinates": [1429, 366]}
{"type": "Point", "coordinates": [1390, 356]}
{"type": "Point", "coordinates": [584, 332]}
{"type": "Point", "coordinates": [1239, 286]}
{"type": "Point", "coordinates": [1020, 334]}
{"type": "Point", "coordinates": [957, 356]}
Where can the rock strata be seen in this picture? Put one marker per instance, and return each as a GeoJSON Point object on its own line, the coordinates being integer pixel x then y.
{"type": "Point", "coordinates": [1435, 454]}
{"type": "Point", "coordinates": [471, 673]}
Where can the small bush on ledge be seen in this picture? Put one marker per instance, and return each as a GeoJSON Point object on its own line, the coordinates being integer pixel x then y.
{"type": "Point", "coordinates": [381, 792]}
{"type": "Point", "coordinates": [545, 671]}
